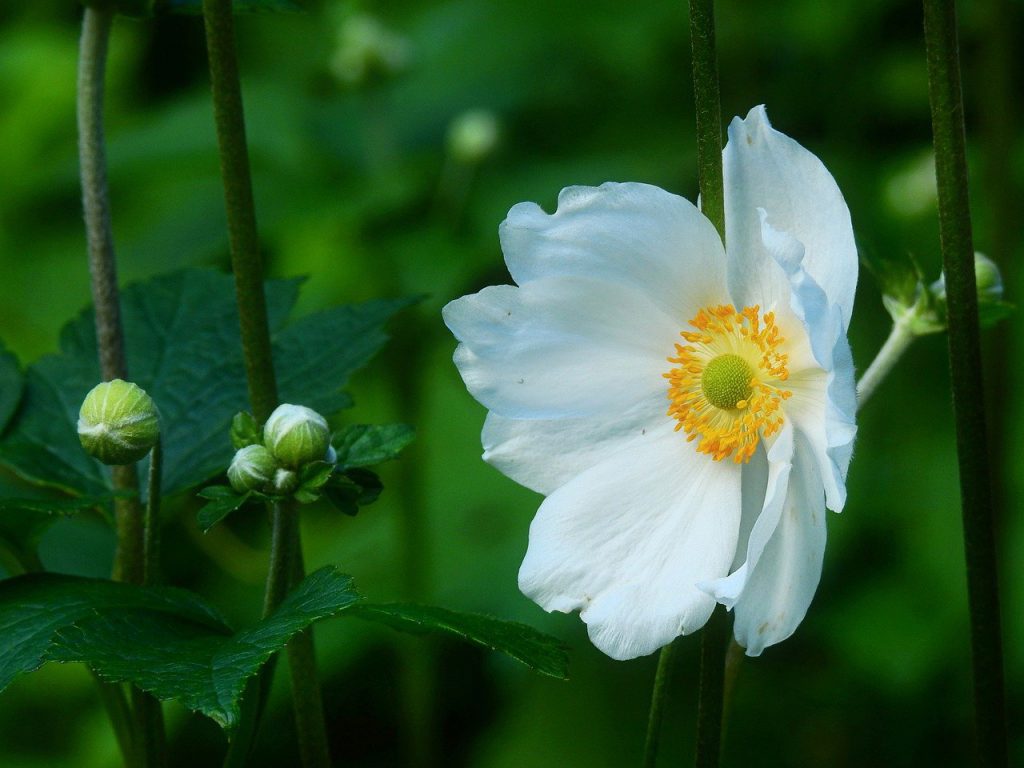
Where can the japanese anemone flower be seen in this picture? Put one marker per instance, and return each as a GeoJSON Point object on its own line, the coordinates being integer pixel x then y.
{"type": "Point", "coordinates": [686, 409]}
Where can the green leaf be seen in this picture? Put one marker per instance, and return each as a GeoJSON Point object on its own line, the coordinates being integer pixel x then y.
{"type": "Point", "coordinates": [352, 489]}
{"type": "Point", "coordinates": [183, 348]}
{"type": "Point", "coordinates": [11, 384]}
{"type": "Point", "coordinates": [164, 641]}
{"type": "Point", "coordinates": [311, 479]}
{"type": "Point", "coordinates": [363, 445]}
{"type": "Point", "coordinates": [316, 355]}
{"type": "Point", "coordinates": [195, 7]}
{"type": "Point", "coordinates": [898, 276]}
{"type": "Point", "coordinates": [24, 520]}
{"type": "Point", "coordinates": [992, 312]}
{"type": "Point", "coordinates": [222, 501]}
{"type": "Point", "coordinates": [34, 608]}
{"type": "Point", "coordinates": [541, 653]}
{"type": "Point", "coordinates": [245, 431]}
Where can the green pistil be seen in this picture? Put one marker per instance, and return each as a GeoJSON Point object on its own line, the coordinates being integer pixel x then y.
{"type": "Point", "coordinates": [726, 381]}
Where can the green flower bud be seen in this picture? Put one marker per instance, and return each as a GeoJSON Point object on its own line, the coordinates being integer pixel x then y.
{"type": "Point", "coordinates": [285, 481]}
{"type": "Point", "coordinates": [472, 136]}
{"type": "Point", "coordinates": [367, 51]}
{"type": "Point", "coordinates": [118, 422]}
{"type": "Point", "coordinates": [296, 435]}
{"type": "Point", "coordinates": [252, 469]}
{"type": "Point", "coordinates": [987, 276]}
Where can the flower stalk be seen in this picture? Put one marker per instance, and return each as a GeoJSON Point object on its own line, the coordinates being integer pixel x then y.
{"type": "Point", "coordinates": [947, 112]}
{"type": "Point", "coordinates": [662, 676]}
{"type": "Point", "coordinates": [252, 309]}
{"type": "Point", "coordinates": [130, 558]}
{"type": "Point", "coordinates": [899, 340]}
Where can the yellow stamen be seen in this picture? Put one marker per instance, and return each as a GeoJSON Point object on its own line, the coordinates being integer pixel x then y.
{"type": "Point", "coordinates": [724, 390]}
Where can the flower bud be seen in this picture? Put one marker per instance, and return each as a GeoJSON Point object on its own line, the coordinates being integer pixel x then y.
{"type": "Point", "coordinates": [988, 278]}
{"type": "Point", "coordinates": [367, 51]}
{"type": "Point", "coordinates": [285, 481]}
{"type": "Point", "coordinates": [118, 422]}
{"type": "Point", "coordinates": [472, 136]}
{"type": "Point", "coordinates": [296, 435]}
{"type": "Point", "coordinates": [252, 469]}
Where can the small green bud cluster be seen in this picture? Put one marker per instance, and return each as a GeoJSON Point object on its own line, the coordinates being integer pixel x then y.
{"type": "Point", "coordinates": [927, 312]}
{"type": "Point", "coordinates": [293, 438]}
{"type": "Point", "coordinates": [118, 422]}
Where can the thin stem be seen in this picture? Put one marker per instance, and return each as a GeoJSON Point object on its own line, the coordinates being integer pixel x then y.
{"type": "Point", "coordinates": [713, 645]}
{"type": "Point", "coordinates": [709, 112]}
{"type": "Point", "coordinates": [899, 341]}
{"type": "Point", "coordinates": [658, 695]}
{"type": "Point", "coordinates": [129, 564]}
{"type": "Point", "coordinates": [120, 715]}
{"type": "Point", "coordinates": [229, 118]}
{"type": "Point", "coordinates": [151, 538]}
{"type": "Point", "coordinates": [942, 52]}
{"type": "Point", "coordinates": [709, 164]}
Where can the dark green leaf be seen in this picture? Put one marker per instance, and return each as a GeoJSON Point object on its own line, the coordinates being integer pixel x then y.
{"type": "Point", "coordinates": [898, 276]}
{"type": "Point", "coordinates": [222, 501]}
{"type": "Point", "coordinates": [352, 489]}
{"type": "Point", "coordinates": [11, 383]}
{"type": "Point", "coordinates": [363, 445]}
{"type": "Point", "coordinates": [166, 642]}
{"type": "Point", "coordinates": [311, 479]}
{"type": "Point", "coordinates": [538, 651]}
{"type": "Point", "coordinates": [24, 520]}
{"type": "Point", "coordinates": [183, 348]}
{"type": "Point", "coordinates": [991, 312]}
{"type": "Point", "coordinates": [316, 355]}
{"type": "Point", "coordinates": [245, 431]}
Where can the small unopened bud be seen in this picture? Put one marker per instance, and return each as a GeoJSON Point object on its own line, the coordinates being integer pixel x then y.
{"type": "Point", "coordinates": [367, 51]}
{"type": "Point", "coordinates": [118, 422]}
{"type": "Point", "coordinates": [296, 435]}
{"type": "Point", "coordinates": [252, 469]}
{"type": "Point", "coordinates": [472, 136]}
{"type": "Point", "coordinates": [285, 481]}
{"type": "Point", "coordinates": [987, 276]}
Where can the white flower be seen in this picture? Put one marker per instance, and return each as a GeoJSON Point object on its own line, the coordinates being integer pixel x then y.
{"type": "Point", "coordinates": [688, 411]}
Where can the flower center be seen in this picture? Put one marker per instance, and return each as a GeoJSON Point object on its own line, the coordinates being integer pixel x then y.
{"type": "Point", "coordinates": [725, 389]}
{"type": "Point", "coordinates": [726, 381]}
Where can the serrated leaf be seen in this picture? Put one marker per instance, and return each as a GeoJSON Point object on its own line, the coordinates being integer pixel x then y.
{"type": "Point", "coordinates": [183, 348]}
{"type": "Point", "coordinates": [195, 7]}
{"type": "Point", "coordinates": [316, 355]}
{"type": "Point", "coordinates": [24, 520]}
{"type": "Point", "coordinates": [221, 502]}
{"type": "Point", "coordinates": [11, 383]}
{"type": "Point", "coordinates": [352, 489]}
{"type": "Point", "coordinates": [363, 445]}
{"type": "Point", "coordinates": [541, 653]}
{"type": "Point", "coordinates": [164, 641]}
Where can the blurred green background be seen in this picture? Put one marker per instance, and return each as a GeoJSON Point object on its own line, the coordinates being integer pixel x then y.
{"type": "Point", "coordinates": [373, 182]}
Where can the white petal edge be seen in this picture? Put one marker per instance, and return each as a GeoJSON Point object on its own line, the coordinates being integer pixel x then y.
{"type": "Point", "coordinates": [728, 590]}
{"type": "Point", "coordinates": [780, 588]}
{"type": "Point", "coordinates": [560, 347]}
{"type": "Point", "coordinates": [544, 455]}
{"type": "Point", "coordinates": [824, 401]}
{"type": "Point", "coordinates": [764, 168]}
{"type": "Point", "coordinates": [630, 234]}
{"type": "Point", "coordinates": [626, 542]}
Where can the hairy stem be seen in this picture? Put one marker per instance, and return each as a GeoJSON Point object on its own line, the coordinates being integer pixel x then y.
{"type": "Point", "coordinates": [947, 110]}
{"type": "Point", "coordinates": [151, 539]}
{"type": "Point", "coordinates": [658, 695]}
{"type": "Point", "coordinates": [129, 563]}
{"type": "Point", "coordinates": [247, 264]}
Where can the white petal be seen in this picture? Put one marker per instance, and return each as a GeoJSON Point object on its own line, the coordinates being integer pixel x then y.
{"type": "Point", "coordinates": [631, 234]}
{"type": "Point", "coordinates": [627, 541]}
{"type": "Point", "coordinates": [561, 347]}
{"type": "Point", "coordinates": [772, 497]}
{"type": "Point", "coordinates": [544, 454]}
{"type": "Point", "coordinates": [779, 588]}
{"type": "Point", "coordinates": [766, 169]}
{"type": "Point", "coordinates": [824, 402]}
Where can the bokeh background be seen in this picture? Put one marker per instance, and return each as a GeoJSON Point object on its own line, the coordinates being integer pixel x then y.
{"type": "Point", "coordinates": [388, 141]}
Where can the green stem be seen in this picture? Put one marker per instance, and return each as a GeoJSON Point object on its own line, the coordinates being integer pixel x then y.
{"type": "Point", "coordinates": [229, 118]}
{"type": "Point", "coordinates": [899, 341]}
{"type": "Point", "coordinates": [129, 564]}
{"type": "Point", "coordinates": [942, 52]}
{"type": "Point", "coordinates": [151, 538]}
{"type": "Point", "coordinates": [658, 695]}
{"type": "Point", "coordinates": [708, 107]}
{"type": "Point", "coordinates": [120, 715]}
{"type": "Point", "coordinates": [707, 103]}
{"type": "Point", "coordinates": [714, 642]}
